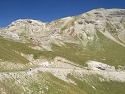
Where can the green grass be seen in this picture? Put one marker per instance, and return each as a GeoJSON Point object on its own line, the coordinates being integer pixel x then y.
{"type": "Point", "coordinates": [111, 28]}
{"type": "Point", "coordinates": [7, 53]}
{"type": "Point", "coordinates": [104, 50]}
{"type": "Point", "coordinates": [9, 86]}
{"type": "Point", "coordinates": [8, 48]}
{"type": "Point", "coordinates": [117, 26]}
{"type": "Point", "coordinates": [49, 84]}
{"type": "Point", "coordinates": [108, 26]}
{"type": "Point", "coordinates": [42, 82]}
{"type": "Point", "coordinates": [58, 86]}
{"type": "Point", "coordinates": [68, 24]}
{"type": "Point", "coordinates": [123, 25]}
{"type": "Point", "coordinates": [64, 28]}
{"type": "Point", "coordinates": [100, 87]}
{"type": "Point", "coordinates": [112, 51]}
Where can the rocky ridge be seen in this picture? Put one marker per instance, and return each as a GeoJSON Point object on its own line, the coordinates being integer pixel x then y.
{"type": "Point", "coordinates": [110, 22]}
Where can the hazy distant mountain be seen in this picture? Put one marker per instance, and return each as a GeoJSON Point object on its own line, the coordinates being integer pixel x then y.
{"type": "Point", "coordinates": [83, 54]}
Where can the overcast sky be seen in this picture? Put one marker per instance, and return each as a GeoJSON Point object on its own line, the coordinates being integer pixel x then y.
{"type": "Point", "coordinates": [48, 10]}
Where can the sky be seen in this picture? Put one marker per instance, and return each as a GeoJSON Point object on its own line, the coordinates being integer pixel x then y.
{"type": "Point", "coordinates": [48, 10]}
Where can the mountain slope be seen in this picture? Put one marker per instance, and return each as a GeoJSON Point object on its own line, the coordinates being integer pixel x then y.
{"type": "Point", "coordinates": [82, 54]}
{"type": "Point", "coordinates": [84, 30]}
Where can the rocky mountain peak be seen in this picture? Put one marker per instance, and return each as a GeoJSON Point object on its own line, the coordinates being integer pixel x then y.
{"type": "Point", "coordinates": [110, 22]}
{"type": "Point", "coordinates": [26, 22]}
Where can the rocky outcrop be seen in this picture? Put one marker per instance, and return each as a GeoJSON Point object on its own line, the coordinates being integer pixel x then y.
{"type": "Point", "coordinates": [94, 65]}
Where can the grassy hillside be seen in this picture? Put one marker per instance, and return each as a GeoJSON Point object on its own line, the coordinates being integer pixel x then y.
{"type": "Point", "coordinates": [104, 50]}
{"type": "Point", "coordinates": [92, 84]}
{"type": "Point", "coordinates": [8, 50]}
{"type": "Point", "coordinates": [40, 83]}
{"type": "Point", "coordinates": [46, 83]}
